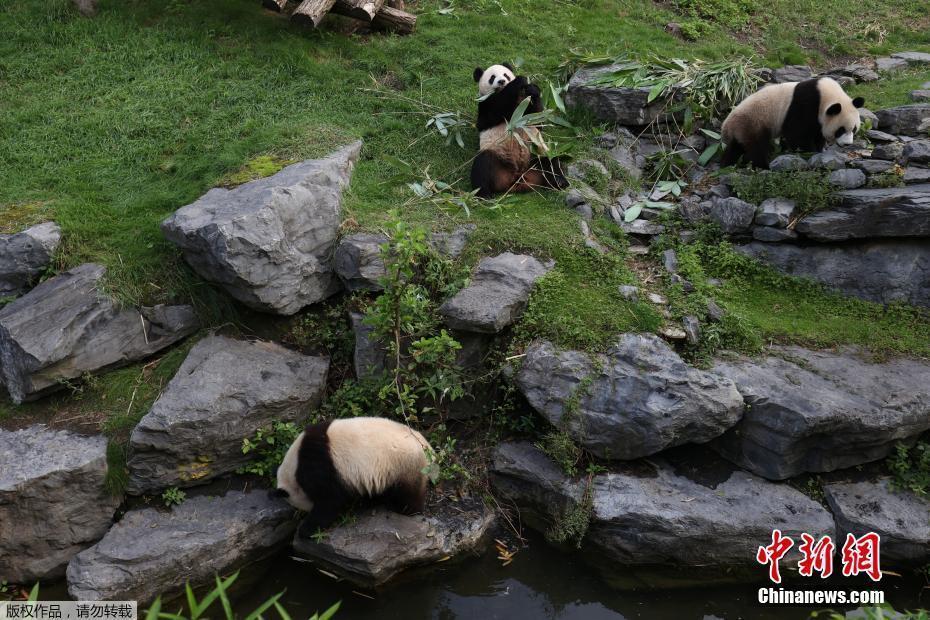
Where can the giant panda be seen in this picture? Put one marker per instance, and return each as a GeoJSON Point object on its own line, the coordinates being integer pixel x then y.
{"type": "Point", "coordinates": [503, 163]}
{"type": "Point", "coordinates": [805, 115]}
{"type": "Point", "coordinates": [332, 463]}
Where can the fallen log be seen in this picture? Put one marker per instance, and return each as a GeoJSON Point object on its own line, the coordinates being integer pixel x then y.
{"type": "Point", "coordinates": [311, 12]}
{"type": "Point", "coordinates": [274, 5]}
{"type": "Point", "coordinates": [395, 20]}
{"type": "Point", "coordinates": [364, 10]}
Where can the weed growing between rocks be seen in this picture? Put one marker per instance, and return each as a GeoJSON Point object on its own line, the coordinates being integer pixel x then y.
{"type": "Point", "coordinates": [910, 468]}
{"type": "Point", "coordinates": [173, 497]}
{"type": "Point", "coordinates": [574, 521]}
{"type": "Point", "coordinates": [268, 448]}
{"type": "Point", "coordinates": [810, 189]}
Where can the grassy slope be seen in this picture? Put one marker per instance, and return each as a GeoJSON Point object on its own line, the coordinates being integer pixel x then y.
{"type": "Point", "coordinates": [110, 124]}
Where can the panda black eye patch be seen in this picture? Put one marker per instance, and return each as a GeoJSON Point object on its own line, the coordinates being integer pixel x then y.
{"type": "Point", "coordinates": [491, 79]}
{"type": "Point", "coordinates": [840, 131]}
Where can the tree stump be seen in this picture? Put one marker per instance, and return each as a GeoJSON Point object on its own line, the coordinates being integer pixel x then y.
{"type": "Point", "coordinates": [364, 10]}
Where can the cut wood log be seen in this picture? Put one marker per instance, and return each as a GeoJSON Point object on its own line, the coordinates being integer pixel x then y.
{"type": "Point", "coordinates": [274, 5]}
{"type": "Point", "coordinates": [311, 12]}
{"type": "Point", "coordinates": [396, 4]}
{"type": "Point", "coordinates": [395, 20]}
{"type": "Point", "coordinates": [364, 10]}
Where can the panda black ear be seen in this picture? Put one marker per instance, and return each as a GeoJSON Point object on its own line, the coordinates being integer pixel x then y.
{"type": "Point", "coordinates": [478, 73]}
{"type": "Point", "coordinates": [509, 66]}
{"type": "Point", "coordinates": [859, 102]}
{"type": "Point", "coordinates": [834, 109]}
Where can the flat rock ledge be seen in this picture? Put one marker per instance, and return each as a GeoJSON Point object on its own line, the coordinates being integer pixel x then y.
{"type": "Point", "coordinates": [497, 294]}
{"type": "Point", "coordinates": [67, 327]}
{"type": "Point", "coordinates": [819, 411]}
{"type": "Point", "coordinates": [381, 544]}
{"type": "Point", "coordinates": [615, 105]}
{"type": "Point", "coordinates": [901, 518]}
{"type": "Point", "coordinates": [152, 552]}
{"type": "Point", "coordinates": [663, 525]}
{"type": "Point", "coordinates": [638, 399]}
{"type": "Point", "coordinates": [269, 242]}
{"type": "Point", "coordinates": [25, 255]}
{"type": "Point", "coordinates": [53, 501]}
{"type": "Point", "coordinates": [222, 393]}
{"type": "Point", "coordinates": [867, 213]}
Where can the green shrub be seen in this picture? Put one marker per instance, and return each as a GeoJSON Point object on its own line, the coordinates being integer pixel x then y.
{"type": "Point", "coordinates": [173, 497]}
{"type": "Point", "coordinates": [561, 448]}
{"type": "Point", "coordinates": [269, 446]}
{"type": "Point", "coordinates": [910, 468]}
{"type": "Point", "coordinates": [810, 189]}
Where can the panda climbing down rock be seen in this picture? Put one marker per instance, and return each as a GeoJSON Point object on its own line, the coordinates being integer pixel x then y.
{"type": "Point", "coordinates": [505, 163]}
{"type": "Point", "coordinates": [332, 463]}
{"type": "Point", "coordinates": [805, 115]}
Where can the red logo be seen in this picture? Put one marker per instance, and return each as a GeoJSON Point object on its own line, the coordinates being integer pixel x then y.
{"type": "Point", "coordinates": [816, 556]}
{"type": "Point", "coordinates": [774, 552]}
{"type": "Point", "coordinates": [859, 555]}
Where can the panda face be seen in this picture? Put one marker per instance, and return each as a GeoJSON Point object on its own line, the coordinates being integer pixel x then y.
{"type": "Point", "coordinates": [840, 120]}
{"type": "Point", "coordinates": [493, 78]}
{"type": "Point", "coordinates": [287, 487]}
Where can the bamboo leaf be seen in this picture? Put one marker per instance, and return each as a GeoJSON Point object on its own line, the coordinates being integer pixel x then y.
{"type": "Point", "coordinates": [633, 212]}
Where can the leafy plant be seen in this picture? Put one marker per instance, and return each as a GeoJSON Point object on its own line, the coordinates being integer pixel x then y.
{"type": "Point", "coordinates": [449, 125]}
{"type": "Point", "coordinates": [442, 464]}
{"type": "Point", "coordinates": [573, 523]}
{"type": "Point", "coordinates": [809, 189]}
{"type": "Point", "coordinates": [910, 468]}
{"type": "Point", "coordinates": [269, 446]}
{"type": "Point", "coordinates": [636, 209]}
{"type": "Point", "coordinates": [173, 497]}
{"type": "Point", "coordinates": [561, 448]}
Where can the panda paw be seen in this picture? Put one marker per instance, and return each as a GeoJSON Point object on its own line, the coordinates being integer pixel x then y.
{"type": "Point", "coordinates": [531, 90]}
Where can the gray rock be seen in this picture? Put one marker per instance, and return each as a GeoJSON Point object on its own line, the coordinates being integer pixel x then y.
{"type": "Point", "coordinates": [692, 327]}
{"type": "Point", "coordinates": [715, 313]}
{"type": "Point", "coordinates": [67, 327]}
{"type": "Point", "coordinates": [923, 128]}
{"type": "Point", "coordinates": [607, 140]}
{"type": "Point", "coordinates": [371, 356]}
{"type": "Point", "coordinates": [621, 106]}
{"type": "Point", "coordinates": [53, 502]}
{"type": "Point", "coordinates": [866, 114]}
{"type": "Point", "coordinates": [636, 400]}
{"type": "Point", "coordinates": [587, 170]}
{"type": "Point", "coordinates": [497, 294]}
{"type": "Point", "coordinates": [889, 64]}
{"type": "Point", "coordinates": [719, 191]}
{"type": "Point", "coordinates": [223, 392]}
{"type": "Point", "coordinates": [788, 161]}
{"type": "Point", "coordinates": [269, 242]}
{"type": "Point", "coordinates": [25, 256]}
{"type": "Point", "coordinates": [817, 411]}
{"type": "Point", "coordinates": [586, 213]}
{"type": "Point", "coordinates": [872, 166]}
{"type": "Point", "coordinates": [687, 236]}
{"type": "Point", "coordinates": [653, 518]}
{"type": "Point", "coordinates": [152, 552]}
{"type": "Point", "coordinates": [867, 213]}
{"type": "Point", "coordinates": [770, 234]}
{"type": "Point", "coordinates": [380, 544]}
{"type": "Point", "coordinates": [859, 73]}
{"type": "Point", "coordinates": [775, 212]}
{"type": "Point", "coordinates": [913, 58]}
{"type": "Point", "coordinates": [899, 517]}
{"type": "Point", "coordinates": [629, 293]}
{"type": "Point", "coordinates": [847, 178]}
{"type": "Point", "coordinates": [917, 152]}
{"type": "Point", "coordinates": [904, 120]}
{"type": "Point", "coordinates": [642, 227]}
{"type": "Point", "coordinates": [891, 151]}
{"type": "Point", "coordinates": [916, 175]}
{"type": "Point", "coordinates": [452, 244]}
{"type": "Point", "coordinates": [358, 263]}
{"type": "Point", "coordinates": [793, 73]}
{"type": "Point", "coordinates": [670, 261]}
{"type": "Point", "coordinates": [573, 198]}
{"type": "Point", "coordinates": [920, 95]}
{"type": "Point", "coordinates": [656, 299]}
{"type": "Point", "coordinates": [831, 160]}
{"type": "Point", "coordinates": [686, 286]}
{"type": "Point", "coordinates": [733, 215]}
{"type": "Point", "coordinates": [881, 271]}
{"type": "Point", "coordinates": [628, 158]}
{"type": "Point", "coordinates": [880, 136]}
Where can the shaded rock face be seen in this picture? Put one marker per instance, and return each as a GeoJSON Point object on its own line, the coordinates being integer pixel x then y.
{"type": "Point", "coordinates": [151, 552]}
{"type": "Point", "coordinates": [622, 106]}
{"type": "Point", "coordinates": [636, 400]}
{"type": "Point", "coordinates": [818, 411]}
{"type": "Point", "coordinates": [901, 518]}
{"type": "Point", "coordinates": [651, 517]}
{"type": "Point", "coordinates": [371, 356]}
{"type": "Point", "coordinates": [904, 120]}
{"type": "Point", "coordinates": [53, 502]}
{"type": "Point", "coordinates": [793, 73]}
{"type": "Point", "coordinates": [917, 152]}
{"type": "Point", "coordinates": [788, 161]}
{"type": "Point", "coordinates": [380, 544]}
{"type": "Point", "coordinates": [882, 271]}
{"type": "Point", "coordinates": [25, 255]}
{"type": "Point", "coordinates": [269, 242]}
{"type": "Point", "coordinates": [66, 327]}
{"type": "Point", "coordinates": [878, 212]}
{"type": "Point", "coordinates": [358, 261]}
{"type": "Point", "coordinates": [497, 294]}
{"type": "Point", "coordinates": [732, 214]}
{"type": "Point", "coordinates": [223, 392]}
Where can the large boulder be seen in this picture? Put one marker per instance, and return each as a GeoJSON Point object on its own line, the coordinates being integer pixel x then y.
{"type": "Point", "coordinates": [53, 500]}
{"type": "Point", "coordinates": [497, 294]}
{"type": "Point", "coordinates": [381, 544]}
{"type": "Point", "coordinates": [68, 326]}
{"type": "Point", "coordinates": [152, 552]}
{"type": "Point", "coordinates": [637, 399]}
{"type": "Point", "coordinates": [917, 152]}
{"type": "Point", "coordinates": [616, 105]}
{"type": "Point", "coordinates": [732, 214]}
{"type": "Point", "coordinates": [901, 518]}
{"type": "Point", "coordinates": [223, 392]}
{"type": "Point", "coordinates": [904, 120]}
{"type": "Point", "coordinates": [876, 212]}
{"type": "Point", "coordinates": [650, 517]}
{"type": "Point", "coordinates": [882, 271]}
{"type": "Point", "coordinates": [269, 242]}
{"type": "Point", "coordinates": [818, 411]}
{"type": "Point", "coordinates": [25, 255]}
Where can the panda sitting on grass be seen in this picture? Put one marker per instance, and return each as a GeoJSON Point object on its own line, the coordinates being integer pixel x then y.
{"type": "Point", "coordinates": [504, 162]}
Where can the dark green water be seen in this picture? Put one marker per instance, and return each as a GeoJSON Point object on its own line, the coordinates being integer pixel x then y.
{"type": "Point", "coordinates": [542, 582]}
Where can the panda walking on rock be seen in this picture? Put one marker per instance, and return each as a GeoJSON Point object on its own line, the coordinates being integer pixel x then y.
{"type": "Point", "coordinates": [505, 163]}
